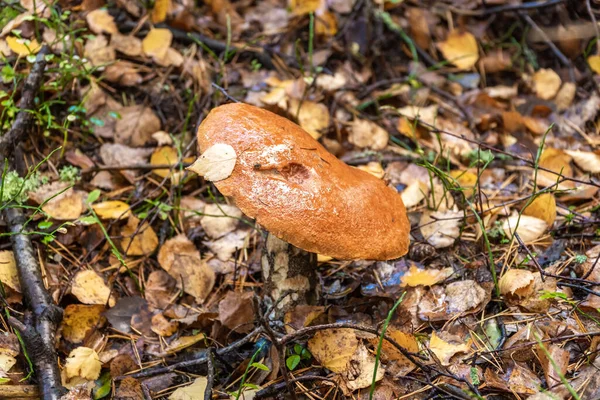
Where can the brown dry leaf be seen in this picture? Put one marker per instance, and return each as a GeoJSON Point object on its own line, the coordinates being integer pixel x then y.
{"type": "Point", "coordinates": [59, 200]}
{"type": "Point", "coordinates": [157, 42]}
{"type": "Point", "coordinates": [529, 228]}
{"type": "Point", "coordinates": [365, 133]}
{"type": "Point", "coordinates": [495, 61]}
{"type": "Point", "coordinates": [594, 63]}
{"type": "Point", "coordinates": [194, 391]}
{"type": "Point", "coordinates": [83, 362]}
{"type": "Point", "coordinates": [312, 117]}
{"type": "Point", "coordinates": [112, 209]}
{"type": "Point", "coordinates": [100, 21]}
{"type": "Point", "coordinates": [172, 57]}
{"type": "Point", "coordinates": [183, 342]}
{"type": "Point", "coordinates": [586, 160]}
{"type": "Point", "coordinates": [160, 10]}
{"type": "Point", "coordinates": [89, 288]}
{"type": "Point", "coordinates": [537, 126]}
{"type": "Point", "coordinates": [79, 320]}
{"type": "Point", "coordinates": [516, 282]}
{"type": "Point", "coordinates": [464, 296]}
{"type": "Point", "coordinates": [162, 326]}
{"type": "Point", "coordinates": [360, 374]}
{"type": "Point", "coordinates": [119, 155]}
{"type": "Point", "coordinates": [126, 44]}
{"type": "Point", "coordinates": [236, 311]}
{"type": "Point", "coordinates": [334, 348]}
{"type": "Point", "coordinates": [124, 73]}
{"type": "Point", "coordinates": [460, 48]}
{"type": "Point", "coordinates": [302, 316]}
{"type": "Point", "coordinates": [425, 277]}
{"type": "Point", "coordinates": [558, 357]}
{"type": "Point", "coordinates": [414, 193]}
{"type": "Point", "coordinates": [4, 48]}
{"type": "Point", "coordinates": [216, 163]}
{"type": "Point", "coordinates": [225, 246]}
{"type": "Point", "coordinates": [136, 126]}
{"type": "Point", "coordinates": [98, 51]}
{"type": "Point", "coordinates": [9, 350]}
{"type": "Point", "coordinates": [428, 114]}
{"type": "Point", "coordinates": [325, 24]}
{"type": "Point", "coordinates": [558, 161]}
{"type": "Point", "coordinates": [440, 228]}
{"type": "Point", "coordinates": [546, 83]}
{"type": "Point", "coordinates": [390, 353]}
{"type": "Point", "coordinates": [419, 26]}
{"type": "Point", "coordinates": [8, 270]}
{"type": "Point", "coordinates": [517, 379]}
{"type": "Point", "coordinates": [565, 96]}
{"type": "Point", "coordinates": [220, 219]}
{"type": "Point", "coordinates": [542, 207]}
{"type": "Point", "coordinates": [23, 47]}
{"type": "Point", "coordinates": [180, 258]}
{"type": "Point", "coordinates": [445, 350]}
{"type": "Point", "coordinates": [138, 240]}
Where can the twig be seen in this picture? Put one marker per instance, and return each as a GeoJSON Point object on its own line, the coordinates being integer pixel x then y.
{"type": "Point", "coordinates": [224, 93]}
{"type": "Point", "coordinates": [21, 123]}
{"type": "Point", "coordinates": [19, 391]}
{"type": "Point", "coordinates": [210, 376]}
{"type": "Point", "coordinates": [531, 256]}
{"type": "Point", "coordinates": [137, 167]}
{"type": "Point", "coordinates": [505, 8]}
{"type": "Point", "coordinates": [202, 358]}
{"type": "Point", "coordinates": [271, 390]}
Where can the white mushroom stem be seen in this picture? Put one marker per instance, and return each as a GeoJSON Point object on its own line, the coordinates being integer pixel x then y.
{"type": "Point", "coordinates": [288, 271]}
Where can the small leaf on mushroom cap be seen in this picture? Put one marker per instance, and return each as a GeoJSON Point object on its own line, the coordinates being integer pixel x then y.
{"type": "Point", "coordinates": [216, 163]}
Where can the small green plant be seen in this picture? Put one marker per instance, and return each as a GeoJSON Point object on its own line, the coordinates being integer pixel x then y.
{"type": "Point", "coordinates": [15, 188]}
{"type": "Point", "coordinates": [256, 65]}
{"type": "Point", "coordinates": [70, 174]}
{"type": "Point", "coordinates": [297, 354]}
{"type": "Point", "coordinates": [480, 157]}
{"type": "Point", "coordinates": [580, 258]}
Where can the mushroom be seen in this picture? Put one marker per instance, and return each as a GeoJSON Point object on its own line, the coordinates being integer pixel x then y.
{"type": "Point", "coordinates": [308, 200]}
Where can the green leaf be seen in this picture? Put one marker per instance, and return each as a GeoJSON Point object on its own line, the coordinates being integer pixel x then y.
{"type": "Point", "coordinates": [93, 196]}
{"type": "Point", "coordinates": [298, 349]}
{"type": "Point", "coordinates": [292, 362]}
{"type": "Point", "coordinates": [474, 376]}
{"type": "Point", "coordinates": [44, 224]}
{"type": "Point", "coordinates": [260, 366]}
{"type": "Point", "coordinates": [89, 220]}
{"type": "Point", "coordinates": [4, 380]}
{"type": "Point", "coordinates": [103, 386]}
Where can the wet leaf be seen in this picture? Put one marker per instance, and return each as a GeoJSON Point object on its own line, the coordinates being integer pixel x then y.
{"type": "Point", "coordinates": [444, 350]}
{"type": "Point", "coordinates": [542, 207]}
{"type": "Point", "coordinates": [23, 47]}
{"type": "Point", "coordinates": [529, 228]}
{"type": "Point", "coordinates": [425, 277]}
{"type": "Point", "coordinates": [440, 228]}
{"type": "Point", "coordinates": [518, 282]}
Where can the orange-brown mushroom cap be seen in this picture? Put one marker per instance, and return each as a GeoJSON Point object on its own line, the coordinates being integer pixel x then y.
{"type": "Point", "coordinates": [300, 192]}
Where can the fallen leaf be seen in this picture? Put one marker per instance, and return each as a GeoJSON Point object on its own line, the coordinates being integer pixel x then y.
{"type": "Point", "coordinates": [542, 207]}
{"type": "Point", "coordinates": [124, 73]}
{"type": "Point", "coordinates": [98, 51]}
{"type": "Point", "coordinates": [236, 311]}
{"type": "Point", "coordinates": [216, 163]}
{"type": "Point", "coordinates": [594, 63]}
{"type": "Point", "coordinates": [390, 353]}
{"type": "Point", "coordinates": [23, 47]}
{"type": "Point", "coordinates": [312, 117]}
{"type": "Point", "coordinates": [89, 288]}
{"type": "Point", "coordinates": [303, 7]}
{"type": "Point", "coordinates": [374, 168]}
{"type": "Point", "coordinates": [414, 193]}
{"type": "Point", "coordinates": [460, 48]}
{"type": "Point", "coordinates": [83, 362]}
{"type": "Point", "coordinates": [517, 282]}
{"type": "Point", "coordinates": [59, 200]}
{"type": "Point", "coordinates": [565, 96]}
{"type": "Point", "coordinates": [546, 83]}
{"type": "Point", "coordinates": [100, 21]}
{"type": "Point", "coordinates": [138, 240]}
{"type": "Point", "coordinates": [220, 219]}
{"type": "Point", "coordinates": [529, 228]}
{"type": "Point", "coordinates": [428, 114]}
{"type": "Point", "coordinates": [360, 374]}
{"type": "Point", "coordinates": [325, 24]}
{"type": "Point", "coordinates": [79, 320]}
{"type": "Point", "coordinates": [586, 160]}
{"type": "Point", "coordinates": [365, 133]}
{"type": "Point", "coordinates": [126, 44]}
{"type": "Point", "coordinates": [419, 26]}
{"type": "Point", "coordinates": [160, 10]}
{"type": "Point", "coordinates": [136, 126]}
{"type": "Point", "coordinates": [9, 350]}
{"type": "Point", "coordinates": [162, 326]}
{"type": "Point", "coordinates": [227, 245]}
{"type": "Point", "coordinates": [8, 270]}
{"type": "Point", "coordinates": [120, 316]}
{"type": "Point", "coordinates": [334, 348]}
{"type": "Point", "coordinates": [172, 57]}
{"type": "Point", "coordinates": [164, 156]}
{"type": "Point", "coordinates": [555, 364]}
{"type": "Point", "coordinates": [183, 342]}
{"type": "Point", "coordinates": [558, 161]}
{"type": "Point", "coordinates": [466, 180]}
{"type": "Point", "coordinates": [464, 296]}
{"type": "Point", "coordinates": [180, 258]}
{"type": "Point", "coordinates": [194, 391]}
{"type": "Point", "coordinates": [157, 42]}
{"type": "Point", "coordinates": [440, 228]}
{"type": "Point", "coordinates": [112, 209]}
{"type": "Point", "coordinates": [119, 155]}
{"type": "Point", "coordinates": [445, 350]}
{"type": "Point", "coordinates": [426, 277]}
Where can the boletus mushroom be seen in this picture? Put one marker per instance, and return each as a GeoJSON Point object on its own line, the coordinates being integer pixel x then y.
{"type": "Point", "coordinates": [308, 200]}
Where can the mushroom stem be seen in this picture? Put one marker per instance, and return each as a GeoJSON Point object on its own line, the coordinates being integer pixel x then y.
{"type": "Point", "coordinates": [288, 271]}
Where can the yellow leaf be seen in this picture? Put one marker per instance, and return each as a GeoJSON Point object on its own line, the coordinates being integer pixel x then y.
{"type": "Point", "coordinates": [365, 133]}
{"type": "Point", "coordinates": [216, 163]}
{"type": "Point", "coordinates": [164, 156]}
{"type": "Point", "coordinates": [445, 350]}
{"type": "Point", "coordinates": [391, 353]}
{"type": "Point", "coordinates": [543, 207]}
{"type": "Point", "coordinates": [546, 83]}
{"type": "Point", "coordinates": [466, 180]}
{"type": "Point", "coordinates": [333, 348]}
{"type": "Point", "coordinates": [440, 228]}
{"type": "Point", "coordinates": [460, 48]}
{"type": "Point", "coordinates": [83, 362]}
{"type": "Point", "coordinates": [159, 12]}
{"type": "Point", "coordinates": [558, 161]}
{"type": "Point", "coordinates": [425, 277]}
{"type": "Point", "coordinates": [138, 240]}
{"type": "Point", "coordinates": [183, 342]}
{"type": "Point", "coordinates": [79, 320]}
{"type": "Point", "coordinates": [100, 21]}
{"type": "Point", "coordinates": [529, 228]}
{"type": "Point", "coordinates": [89, 288]}
{"type": "Point", "coordinates": [312, 117]}
{"type": "Point", "coordinates": [325, 24]}
{"type": "Point", "coordinates": [157, 42]}
{"type": "Point", "coordinates": [8, 270]}
{"type": "Point", "coordinates": [303, 7]}
{"type": "Point", "coordinates": [594, 63]}
{"type": "Point", "coordinates": [374, 168]}
{"type": "Point", "coordinates": [516, 282]}
{"type": "Point", "coordinates": [23, 47]}
{"type": "Point", "coordinates": [194, 391]}
{"type": "Point", "coordinates": [414, 193]}
{"type": "Point", "coordinates": [112, 209]}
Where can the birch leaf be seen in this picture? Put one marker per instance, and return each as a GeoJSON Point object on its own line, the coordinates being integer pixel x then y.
{"type": "Point", "coordinates": [216, 163]}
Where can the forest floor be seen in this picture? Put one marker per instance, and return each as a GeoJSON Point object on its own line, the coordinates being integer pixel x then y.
{"type": "Point", "coordinates": [126, 276]}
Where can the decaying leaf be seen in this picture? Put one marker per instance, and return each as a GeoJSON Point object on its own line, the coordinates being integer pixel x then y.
{"type": "Point", "coordinates": [126, 44]}
{"type": "Point", "coordinates": [365, 133]}
{"type": "Point", "coordinates": [180, 258]}
{"type": "Point", "coordinates": [428, 114]}
{"type": "Point", "coordinates": [220, 219]}
{"type": "Point", "coordinates": [89, 288]}
{"type": "Point", "coordinates": [100, 21]}
{"type": "Point", "coordinates": [59, 200]}
{"type": "Point", "coordinates": [425, 277]}
{"type": "Point", "coordinates": [546, 83]}
{"type": "Point", "coordinates": [529, 228]}
{"type": "Point", "coordinates": [83, 362]}
{"type": "Point", "coordinates": [79, 320]}
{"type": "Point", "coordinates": [517, 282]}
{"type": "Point", "coordinates": [162, 326]}
{"type": "Point", "coordinates": [334, 348]}
{"type": "Point", "coordinates": [112, 209]}
{"type": "Point", "coordinates": [389, 352]}
{"type": "Point", "coordinates": [194, 391]}
{"type": "Point", "coordinates": [8, 270]}
{"type": "Point", "coordinates": [464, 296]}
{"type": "Point", "coordinates": [444, 350]}
{"type": "Point", "coordinates": [136, 126]}
{"type": "Point", "coordinates": [138, 240]}
{"type": "Point", "coordinates": [236, 311]}
{"type": "Point", "coordinates": [460, 48]}
{"type": "Point", "coordinates": [414, 193]}
{"type": "Point", "coordinates": [374, 168]}
{"type": "Point", "coordinates": [440, 228]}
{"type": "Point", "coordinates": [9, 350]}
{"type": "Point", "coordinates": [216, 163]}
{"type": "Point", "coordinates": [360, 374]}
{"type": "Point", "coordinates": [225, 246]}
{"type": "Point", "coordinates": [588, 161]}
{"type": "Point", "coordinates": [542, 207]}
